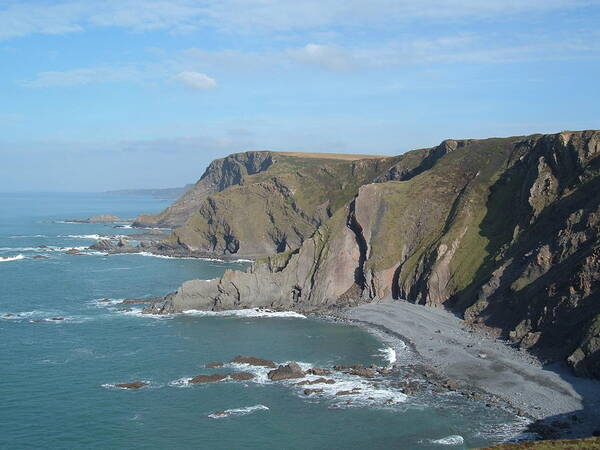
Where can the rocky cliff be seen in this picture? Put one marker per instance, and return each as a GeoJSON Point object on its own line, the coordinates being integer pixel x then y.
{"type": "Point", "coordinates": [257, 203]}
{"type": "Point", "coordinates": [220, 174]}
{"type": "Point", "coordinates": [504, 231]}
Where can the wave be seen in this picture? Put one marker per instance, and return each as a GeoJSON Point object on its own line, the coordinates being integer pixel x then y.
{"type": "Point", "coordinates": [251, 312]}
{"type": "Point", "coordinates": [364, 391]}
{"type": "Point", "coordinates": [238, 411]}
{"type": "Point", "coordinates": [83, 236]}
{"type": "Point", "coordinates": [37, 316]}
{"type": "Point", "coordinates": [389, 353]}
{"type": "Point", "coordinates": [11, 258]}
{"type": "Point", "coordinates": [455, 439]}
{"type": "Point", "coordinates": [19, 236]}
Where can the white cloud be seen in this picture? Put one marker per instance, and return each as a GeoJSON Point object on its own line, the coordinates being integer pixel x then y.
{"type": "Point", "coordinates": [196, 81]}
{"type": "Point", "coordinates": [21, 18]}
{"type": "Point", "coordinates": [82, 76]}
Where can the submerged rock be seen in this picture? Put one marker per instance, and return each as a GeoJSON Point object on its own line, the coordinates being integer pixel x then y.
{"type": "Point", "coordinates": [312, 391]}
{"type": "Point", "coordinates": [208, 378]}
{"type": "Point", "coordinates": [291, 370]}
{"type": "Point", "coordinates": [212, 365]}
{"type": "Point", "coordinates": [132, 385]}
{"type": "Point", "coordinates": [254, 361]}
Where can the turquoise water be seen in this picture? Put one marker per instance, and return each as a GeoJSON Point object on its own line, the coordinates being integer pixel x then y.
{"type": "Point", "coordinates": [57, 377]}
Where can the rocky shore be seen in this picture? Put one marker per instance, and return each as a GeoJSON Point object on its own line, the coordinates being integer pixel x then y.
{"type": "Point", "coordinates": [560, 404]}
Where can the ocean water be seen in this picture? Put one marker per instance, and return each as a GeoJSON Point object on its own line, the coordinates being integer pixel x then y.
{"type": "Point", "coordinates": [57, 377]}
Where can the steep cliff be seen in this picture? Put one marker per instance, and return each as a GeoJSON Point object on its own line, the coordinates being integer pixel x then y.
{"type": "Point", "coordinates": [504, 231]}
{"type": "Point", "coordinates": [269, 206]}
{"type": "Point", "coordinates": [220, 174]}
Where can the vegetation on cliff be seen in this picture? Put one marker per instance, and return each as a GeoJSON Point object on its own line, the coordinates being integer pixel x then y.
{"type": "Point", "coordinates": [504, 231]}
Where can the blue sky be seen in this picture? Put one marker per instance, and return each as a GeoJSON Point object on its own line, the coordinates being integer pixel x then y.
{"type": "Point", "coordinates": [109, 94]}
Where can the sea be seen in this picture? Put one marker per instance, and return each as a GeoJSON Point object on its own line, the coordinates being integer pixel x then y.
{"type": "Point", "coordinates": [65, 343]}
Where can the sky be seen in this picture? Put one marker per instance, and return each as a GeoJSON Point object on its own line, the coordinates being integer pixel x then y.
{"type": "Point", "coordinates": [115, 94]}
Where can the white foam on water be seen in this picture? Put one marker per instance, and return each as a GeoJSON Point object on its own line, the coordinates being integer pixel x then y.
{"type": "Point", "coordinates": [238, 411]}
{"type": "Point", "coordinates": [11, 258]}
{"type": "Point", "coordinates": [181, 382]}
{"type": "Point", "coordinates": [389, 353]}
{"type": "Point", "coordinates": [85, 236]}
{"type": "Point", "coordinates": [19, 236]}
{"type": "Point", "coordinates": [137, 312]}
{"type": "Point", "coordinates": [250, 312]}
{"type": "Point", "coordinates": [259, 372]}
{"type": "Point", "coordinates": [37, 316]}
{"type": "Point", "coordinates": [106, 302]}
{"type": "Point", "coordinates": [366, 392]}
{"type": "Point", "coordinates": [454, 439]}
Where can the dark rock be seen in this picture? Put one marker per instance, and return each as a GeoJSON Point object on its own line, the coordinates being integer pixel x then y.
{"type": "Point", "coordinates": [73, 251]}
{"type": "Point", "coordinates": [291, 370]}
{"type": "Point", "coordinates": [362, 372]}
{"type": "Point", "coordinates": [316, 381]}
{"type": "Point", "coordinates": [214, 364]}
{"type": "Point", "coordinates": [241, 376]}
{"type": "Point", "coordinates": [254, 361]}
{"type": "Point", "coordinates": [132, 385]}
{"type": "Point", "coordinates": [40, 257]}
{"type": "Point", "coordinates": [135, 301]}
{"type": "Point", "coordinates": [312, 391]}
{"type": "Point", "coordinates": [208, 378]}
{"type": "Point", "coordinates": [319, 372]}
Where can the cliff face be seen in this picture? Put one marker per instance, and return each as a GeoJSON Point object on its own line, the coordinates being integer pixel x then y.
{"type": "Point", "coordinates": [220, 174]}
{"type": "Point", "coordinates": [258, 203]}
{"type": "Point", "coordinates": [504, 231]}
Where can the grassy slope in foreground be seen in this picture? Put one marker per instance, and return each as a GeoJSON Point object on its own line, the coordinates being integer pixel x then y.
{"type": "Point", "coordinates": [563, 444]}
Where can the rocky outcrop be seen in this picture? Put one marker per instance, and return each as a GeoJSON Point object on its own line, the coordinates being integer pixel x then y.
{"type": "Point", "coordinates": [219, 175]}
{"type": "Point", "coordinates": [254, 361]}
{"type": "Point", "coordinates": [503, 231]}
{"type": "Point", "coordinates": [98, 219]}
{"type": "Point", "coordinates": [286, 372]}
{"type": "Point", "coordinates": [289, 195]}
{"type": "Point", "coordinates": [132, 385]}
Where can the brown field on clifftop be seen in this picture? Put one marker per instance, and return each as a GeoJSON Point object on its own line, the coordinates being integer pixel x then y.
{"type": "Point", "coordinates": [340, 156]}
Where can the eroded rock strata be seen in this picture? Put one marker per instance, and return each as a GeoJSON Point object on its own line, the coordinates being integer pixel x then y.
{"type": "Point", "coordinates": [504, 231]}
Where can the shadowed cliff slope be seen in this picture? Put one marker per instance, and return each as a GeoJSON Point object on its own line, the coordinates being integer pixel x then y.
{"type": "Point", "coordinates": [504, 231]}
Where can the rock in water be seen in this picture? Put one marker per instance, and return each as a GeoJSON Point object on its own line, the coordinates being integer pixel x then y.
{"type": "Point", "coordinates": [208, 378]}
{"type": "Point", "coordinates": [212, 365]}
{"type": "Point", "coordinates": [291, 370]}
{"type": "Point", "coordinates": [242, 376]}
{"type": "Point", "coordinates": [254, 361]}
{"type": "Point", "coordinates": [132, 385]}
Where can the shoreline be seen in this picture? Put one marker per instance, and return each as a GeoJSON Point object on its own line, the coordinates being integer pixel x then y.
{"type": "Point", "coordinates": [560, 404]}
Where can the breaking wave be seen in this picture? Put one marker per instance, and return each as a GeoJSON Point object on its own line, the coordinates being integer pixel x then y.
{"type": "Point", "coordinates": [251, 312]}
{"type": "Point", "coordinates": [238, 411]}
{"type": "Point", "coordinates": [11, 258]}
{"type": "Point", "coordinates": [455, 439]}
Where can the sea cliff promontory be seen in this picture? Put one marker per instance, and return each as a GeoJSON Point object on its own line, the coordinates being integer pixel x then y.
{"type": "Point", "coordinates": [502, 231]}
